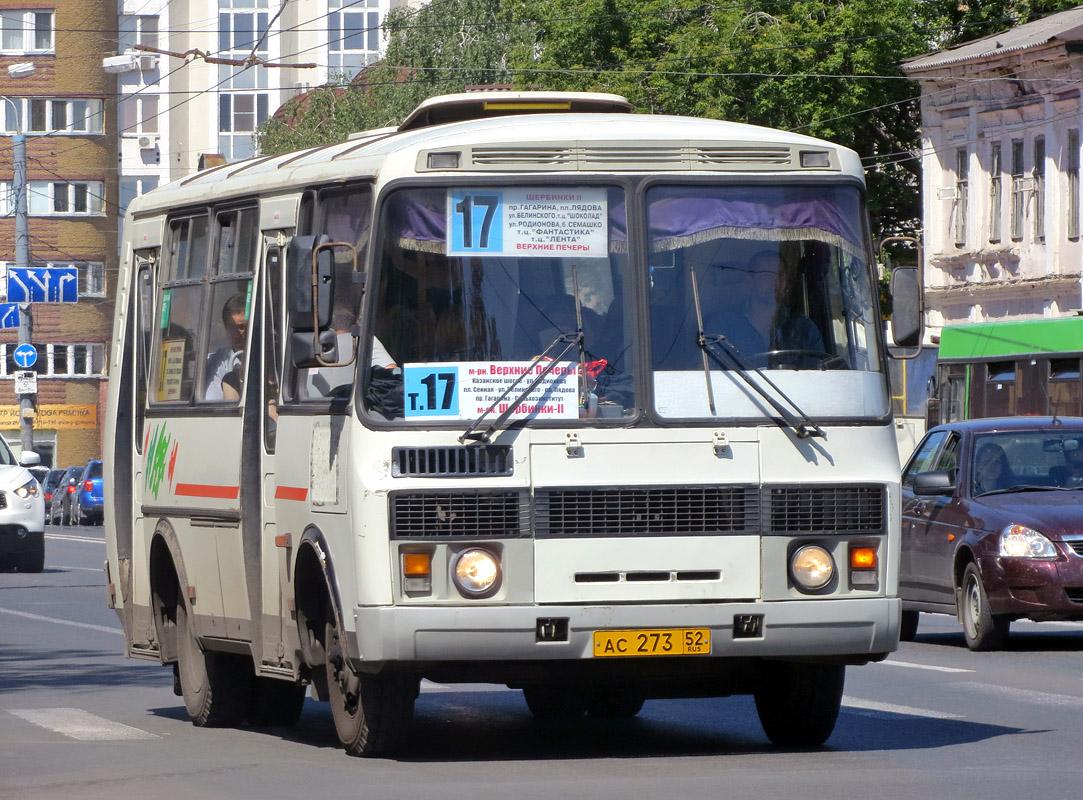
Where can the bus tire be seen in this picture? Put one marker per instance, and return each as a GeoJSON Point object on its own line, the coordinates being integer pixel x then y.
{"type": "Point", "coordinates": [798, 703]}
{"type": "Point", "coordinates": [217, 687]}
{"type": "Point", "coordinates": [276, 703]}
{"type": "Point", "coordinates": [615, 704]}
{"type": "Point", "coordinates": [372, 713]}
{"type": "Point", "coordinates": [555, 703]}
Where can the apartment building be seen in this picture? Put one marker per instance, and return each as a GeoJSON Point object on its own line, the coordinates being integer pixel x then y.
{"type": "Point", "coordinates": [1001, 122]}
{"type": "Point", "coordinates": [55, 93]}
{"type": "Point", "coordinates": [196, 78]}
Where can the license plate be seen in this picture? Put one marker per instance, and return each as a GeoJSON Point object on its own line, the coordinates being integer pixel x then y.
{"type": "Point", "coordinates": [650, 642]}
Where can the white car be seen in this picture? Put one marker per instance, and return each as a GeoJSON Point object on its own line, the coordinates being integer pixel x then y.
{"type": "Point", "coordinates": [22, 513]}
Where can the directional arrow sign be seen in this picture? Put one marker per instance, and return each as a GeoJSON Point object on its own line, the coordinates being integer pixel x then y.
{"type": "Point", "coordinates": [9, 315]}
{"type": "Point", "coordinates": [43, 284]}
{"type": "Point", "coordinates": [25, 356]}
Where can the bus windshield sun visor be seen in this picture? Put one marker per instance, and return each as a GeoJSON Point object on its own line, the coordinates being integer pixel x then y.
{"type": "Point", "coordinates": [716, 345]}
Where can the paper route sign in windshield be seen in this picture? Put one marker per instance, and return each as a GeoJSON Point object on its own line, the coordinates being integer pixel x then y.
{"type": "Point", "coordinates": [464, 390]}
{"type": "Point", "coordinates": [527, 222]}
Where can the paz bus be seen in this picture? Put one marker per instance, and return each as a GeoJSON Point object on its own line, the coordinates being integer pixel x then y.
{"type": "Point", "coordinates": [1002, 369]}
{"type": "Point", "coordinates": [463, 400]}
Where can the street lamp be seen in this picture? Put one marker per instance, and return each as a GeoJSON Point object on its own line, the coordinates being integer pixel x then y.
{"type": "Point", "coordinates": [22, 248]}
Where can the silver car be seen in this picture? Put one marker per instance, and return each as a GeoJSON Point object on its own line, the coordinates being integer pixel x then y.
{"type": "Point", "coordinates": [22, 513]}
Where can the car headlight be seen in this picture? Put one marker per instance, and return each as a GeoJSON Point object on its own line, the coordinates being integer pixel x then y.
{"type": "Point", "coordinates": [1019, 541]}
{"type": "Point", "coordinates": [29, 489]}
{"type": "Point", "coordinates": [811, 567]}
{"type": "Point", "coordinates": [476, 573]}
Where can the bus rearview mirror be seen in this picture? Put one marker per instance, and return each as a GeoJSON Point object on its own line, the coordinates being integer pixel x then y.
{"type": "Point", "coordinates": [311, 280]}
{"type": "Point", "coordinates": [905, 307]}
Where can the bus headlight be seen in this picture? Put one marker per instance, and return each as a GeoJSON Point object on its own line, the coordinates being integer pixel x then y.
{"type": "Point", "coordinates": [476, 573]}
{"type": "Point", "coordinates": [811, 567]}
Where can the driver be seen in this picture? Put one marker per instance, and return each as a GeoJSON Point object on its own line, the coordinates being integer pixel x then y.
{"type": "Point", "coordinates": [766, 317]}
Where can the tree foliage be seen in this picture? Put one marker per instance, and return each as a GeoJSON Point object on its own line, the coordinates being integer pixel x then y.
{"type": "Point", "coordinates": [826, 68]}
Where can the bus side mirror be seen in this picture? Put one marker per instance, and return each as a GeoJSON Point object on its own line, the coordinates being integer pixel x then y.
{"type": "Point", "coordinates": [311, 282]}
{"type": "Point", "coordinates": [306, 350]}
{"type": "Point", "coordinates": [905, 307]}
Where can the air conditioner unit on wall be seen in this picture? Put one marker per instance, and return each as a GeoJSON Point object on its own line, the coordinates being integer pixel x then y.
{"type": "Point", "coordinates": [148, 142]}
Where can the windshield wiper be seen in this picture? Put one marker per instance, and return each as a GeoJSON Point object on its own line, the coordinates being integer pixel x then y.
{"type": "Point", "coordinates": [715, 343]}
{"type": "Point", "coordinates": [472, 433]}
{"type": "Point", "coordinates": [1026, 487]}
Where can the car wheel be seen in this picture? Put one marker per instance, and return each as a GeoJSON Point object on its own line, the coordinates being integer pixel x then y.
{"type": "Point", "coordinates": [35, 560]}
{"type": "Point", "coordinates": [982, 629]}
{"type": "Point", "coordinates": [908, 628]}
{"type": "Point", "coordinates": [798, 704]}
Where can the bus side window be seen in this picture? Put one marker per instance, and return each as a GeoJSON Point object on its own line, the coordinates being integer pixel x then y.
{"type": "Point", "coordinates": [146, 263]}
{"type": "Point", "coordinates": [180, 305]}
{"type": "Point", "coordinates": [227, 317]}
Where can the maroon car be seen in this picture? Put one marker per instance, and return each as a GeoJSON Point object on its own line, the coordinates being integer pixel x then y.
{"type": "Point", "coordinates": [992, 525]}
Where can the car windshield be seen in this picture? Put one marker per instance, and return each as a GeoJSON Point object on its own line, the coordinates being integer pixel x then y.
{"type": "Point", "coordinates": [1022, 460]}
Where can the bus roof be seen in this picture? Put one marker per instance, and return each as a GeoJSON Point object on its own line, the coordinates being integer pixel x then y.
{"type": "Point", "coordinates": [1022, 337]}
{"type": "Point", "coordinates": [479, 105]}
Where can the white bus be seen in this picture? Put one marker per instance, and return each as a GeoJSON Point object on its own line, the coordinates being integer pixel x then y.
{"type": "Point", "coordinates": [530, 390]}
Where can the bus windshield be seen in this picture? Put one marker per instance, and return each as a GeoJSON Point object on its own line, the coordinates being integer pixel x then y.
{"type": "Point", "coordinates": [779, 279]}
{"type": "Point", "coordinates": [473, 285]}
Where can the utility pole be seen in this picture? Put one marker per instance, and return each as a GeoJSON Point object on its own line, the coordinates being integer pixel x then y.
{"type": "Point", "coordinates": [22, 261]}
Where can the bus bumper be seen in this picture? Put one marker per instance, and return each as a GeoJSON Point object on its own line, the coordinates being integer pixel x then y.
{"type": "Point", "coordinates": [854, 630]}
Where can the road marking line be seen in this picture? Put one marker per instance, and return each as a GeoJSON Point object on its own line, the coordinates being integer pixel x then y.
{"type": "Point", "coordinates": [871, 708]}
{"type": "Point", "coordinates": [893, 663]}
{"type": "Point", "coordinates": [1023, 695]}
{"type": "Point", "coordinates": [78, 724]}
{"type": "Point", "coordinates": [68, 537]}
{"type": "Point", "coordinates": [40, 618]}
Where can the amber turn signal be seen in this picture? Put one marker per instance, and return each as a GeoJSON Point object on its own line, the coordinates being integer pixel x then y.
{"type": "Point", "coordinates": [863, 558]}
{"type": "Point", "coordinates": [416, 563]}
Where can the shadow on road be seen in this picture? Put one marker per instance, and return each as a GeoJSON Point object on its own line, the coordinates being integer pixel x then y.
{"type": "Point", "coordinates": [31, 668]}
{"type": "Point", "coordinates": [1029, 641]}
{"type": "Point", "coordinates": [490, 726]}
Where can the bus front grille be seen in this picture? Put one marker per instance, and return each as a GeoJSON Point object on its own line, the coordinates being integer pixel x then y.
{"type": "Point", "coordinates": [632, 511]}
{"type": "Point", "coordinates": [451, 462]}
{"type": "Point", "coordinates": [453, 514]}
{"type": "Point", "coordinates": [826, 509]}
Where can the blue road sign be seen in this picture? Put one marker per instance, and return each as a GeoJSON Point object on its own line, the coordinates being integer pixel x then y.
{"type": "Point", "coordinates": [43, 284]}
{"type": "Point", "coordinates": [25, 356]}
{"type": "Point", "coordinates": [9, 315]}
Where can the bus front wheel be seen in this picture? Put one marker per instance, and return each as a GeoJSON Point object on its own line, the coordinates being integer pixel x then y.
{"type": "Point", "coordinates": [798, 703]}
{"type": "Point", "coordinates": [217, 687]}
{"type": "Point", "coordinates": [372, 713]}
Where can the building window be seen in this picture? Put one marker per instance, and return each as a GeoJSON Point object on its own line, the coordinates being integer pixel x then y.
{"type": "Point", "coordinates": [1017, 190]}
{"type": "Point", "coordinates": [242, 30]}
{"type": "Point", "coordinates": [91, 275]}
{"type": "Point", "coordinates": [46, 115]}
{"type": "Point", "coordinates": [138, 30]}
{"type": "Point", "coordinates": [1072, 171]}
{"type": "Point", "coordinates": [961, 184]}
{"type": "Point", "coordinates": [138, 113]}
{"type": "Point", "coordinates": [353, 37]}
{"type": "Point", "coordinates": [996, 188]}
{"type": "Point", "coordinates": [58, 360]}
{"type": "Point", "coordinates": [26, 32]}
{"type": "Point", "coordinates": [1039, 188]}
{"type": "Point", "coordinates": [64, 198]}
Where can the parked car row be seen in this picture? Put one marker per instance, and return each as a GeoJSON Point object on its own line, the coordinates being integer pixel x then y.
{"type": "Point", "coordinates": [992, 526]}
{"type": "Point", "coordinates": [73, 496]}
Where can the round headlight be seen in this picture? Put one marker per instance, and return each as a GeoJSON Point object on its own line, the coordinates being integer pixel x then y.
{"type": "Point", "coordinates": [811, 567]}
{"type": "Point", "coordinates": [1019, 541]}
{"type": "Point", "coordinates": [477, 573]}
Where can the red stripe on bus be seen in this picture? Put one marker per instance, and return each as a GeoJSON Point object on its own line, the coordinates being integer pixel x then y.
{"type": "Point", "coordinates": [291, 493]}
{"type": "Point", "coordinates": [206, 490]}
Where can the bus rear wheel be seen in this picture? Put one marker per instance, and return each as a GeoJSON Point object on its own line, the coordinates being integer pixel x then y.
{"type": "Point", "coordinates": [217, 687]}
{"type": "Point", "coordinates": [798, 703]}
{"type": "Point", "coordinates": [372, 713]}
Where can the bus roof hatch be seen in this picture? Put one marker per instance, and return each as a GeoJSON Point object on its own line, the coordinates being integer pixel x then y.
{"type": "Point", "coordinates": [480, 105]}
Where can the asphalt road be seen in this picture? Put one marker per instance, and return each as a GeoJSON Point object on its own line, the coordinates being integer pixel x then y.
{"type": "Point", "coordinates": [935, 720]}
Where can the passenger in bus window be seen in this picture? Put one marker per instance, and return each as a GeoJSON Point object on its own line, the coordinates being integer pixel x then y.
{"type": "Point", "coordinates": [224, 365]}
{"type": "Point", "coordinates": [762, 313]}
